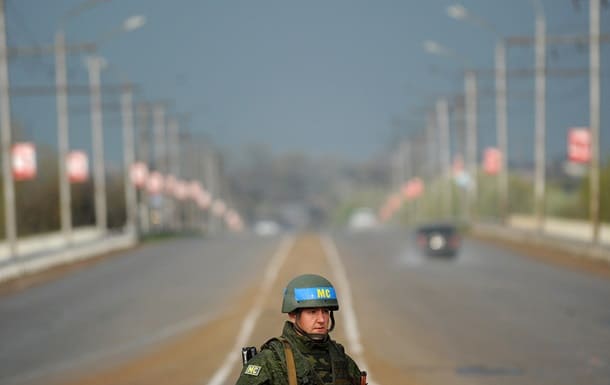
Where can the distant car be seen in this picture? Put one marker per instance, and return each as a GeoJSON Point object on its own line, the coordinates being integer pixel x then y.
{"type": "Point", "coordinates": [438, 239]}
{"type": "Point", "coordinates": [362, 219]}
{"type": "Point", "coordinates": [266, 228]}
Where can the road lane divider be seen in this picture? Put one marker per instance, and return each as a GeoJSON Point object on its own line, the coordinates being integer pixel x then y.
{"type": "Point", "coordinates": [354, 346]}
{"type": "Point", "coordinates": [247, 325]}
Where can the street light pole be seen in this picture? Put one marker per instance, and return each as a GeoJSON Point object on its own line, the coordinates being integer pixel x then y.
{"type": "Point", "coordinates": [173, 151]}
{"type": "Point", "coordinates": [63, 128]}
{"type": "Point", "coordinates": [431, 157]}
{"type": "Point", "coordinates": [442, 112]}
{"type": "Point", "coordinates": [470, 94]}
{"type": "Point", "coordinates": [460, 13]}
{"type": "Point", "coordinates": [211, 180]}
{"type": "Point", "coordinates": [540, 118]}
{"type": "Point", "coordinates": [63, 145]}
{"type": "Point", "coordinates": [143, 156]}
{"type": "Point", "coordinates": [128, 157]}
{"type": "Point", "coordinates": [470, 90]}
{"type": "Point", "coordinates": [160, 157]}
{"type": "Point", "coordinates": [94, 66]}
{"type": "Point", "coordinates": [594, 114]}
{"type": "Point", "coordinates": [502, 127]}
{"type": "Point", "coordinates": [10, 218]}
{"type": "Point", "coordinates": [61, 84]}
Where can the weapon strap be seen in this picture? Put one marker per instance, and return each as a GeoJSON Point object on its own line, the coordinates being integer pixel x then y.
{"type": "Point", "coordinates": [292, 371]}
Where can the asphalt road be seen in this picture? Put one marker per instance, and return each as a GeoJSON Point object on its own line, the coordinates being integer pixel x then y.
{"type": "Point", "coordinates": [488, 317]}
{"type": "Point", "coordinates": [117, 307]}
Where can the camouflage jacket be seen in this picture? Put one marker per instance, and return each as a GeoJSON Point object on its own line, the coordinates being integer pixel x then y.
{"type": "Point", "coordinates": [317, 363]}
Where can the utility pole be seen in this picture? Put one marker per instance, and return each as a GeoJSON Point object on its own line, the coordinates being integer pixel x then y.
{"type": "Point", "coordinates": [160, 156]}
{"type": "Point", "coordinates": [442, 113]}
{"type": "Point", "coordinates": [594, 113]}
{"type": "Point", "coordinates": [63, 146]}
{"type": "Point", "coordinates": [94, 66]}
{"type": "Point", "coordinates": [540, 118]}
{"type": "Point", "coordinates": [143, 156]}
{"type": "Point", "coordinates": [173, 152]}
{"type": "Point", "coordinates": [470, 90]}
{"type": "Point", "coordinates": [430, 148]}
{"type": "Point", "coordinates": [211, 180]}
{"type": "Point", "coordinates": [540, 40]}
{"type": "Point", "coordinates": [202, 175]}
{"type": "Point", "coordinates": [160, 137]}
{"type": "Point", "coordinates": [128, 158]}
{"type": "Point", "coordinates": [459, 12]}
{"type": "Point", "coordinates": [502, 127]}
{"type": "Point", "coordinates": [398, 167]}
{"type": "Point", "coordinates": [10, 218]}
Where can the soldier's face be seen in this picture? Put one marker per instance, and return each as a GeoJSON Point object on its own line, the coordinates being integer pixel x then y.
{"type": "Point", "coordinates": [312, 320]}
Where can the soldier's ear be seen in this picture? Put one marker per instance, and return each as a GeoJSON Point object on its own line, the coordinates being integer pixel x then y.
{"type": "Point", "coordinates": [293, 315]}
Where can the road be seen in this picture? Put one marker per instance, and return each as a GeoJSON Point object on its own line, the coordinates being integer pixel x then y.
{"type": "Point", "coordinates": [178, 311]}
{"type": "Point", "coordinates": [122, 305]}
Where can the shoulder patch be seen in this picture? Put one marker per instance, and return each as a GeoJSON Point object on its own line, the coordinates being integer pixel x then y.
{"type": "Point", "coordinates": [252, 370]}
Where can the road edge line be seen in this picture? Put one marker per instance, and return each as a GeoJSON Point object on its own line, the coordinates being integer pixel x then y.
{"type": "Point", "coordinates": [248, 324]}
{"type": "Point", "coordinates": [348, 314]}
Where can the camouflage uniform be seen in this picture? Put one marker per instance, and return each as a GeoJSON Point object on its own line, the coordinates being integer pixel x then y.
{"type": "Point", "coordinates": [317, 362]}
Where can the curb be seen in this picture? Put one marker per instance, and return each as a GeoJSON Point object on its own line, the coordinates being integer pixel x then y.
{"type": "Point", "coordinates": [574, 247]}
{"type": "Point", "coordinates": [29, 264]}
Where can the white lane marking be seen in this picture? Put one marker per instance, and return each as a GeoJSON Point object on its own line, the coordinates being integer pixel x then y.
{"type": "Point", "coordinates": [103, 354]}
{"type": "Point", "coordinates": [347, 309]}
{"type": "Point", "coordinates": [249, 322]}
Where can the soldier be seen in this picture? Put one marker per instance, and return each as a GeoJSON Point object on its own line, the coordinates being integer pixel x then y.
{"type": "Point", "coordinates": [304, 353]}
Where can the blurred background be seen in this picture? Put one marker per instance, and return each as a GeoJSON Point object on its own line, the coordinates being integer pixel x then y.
{"type": "Point", "coordinates": [302, 113]}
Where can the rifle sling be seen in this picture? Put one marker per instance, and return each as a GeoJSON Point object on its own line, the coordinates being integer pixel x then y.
{"type": "Point", "coordinates": [292, 371]}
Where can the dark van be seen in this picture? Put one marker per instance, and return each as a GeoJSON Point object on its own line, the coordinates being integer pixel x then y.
{"type": "Point", "coordinates": [438, 239]}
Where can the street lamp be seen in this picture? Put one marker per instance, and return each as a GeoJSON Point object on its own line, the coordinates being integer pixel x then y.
{"type": "Point", "coordinates": [10, 219]}
{"type": "Point", "coordinates": [442, 119]}
{"type": "Point", "coordinates": [131, 200]}
{"type": "Point", "coordinates": [130, 24]}
{"type": "Point", "coordinates": [470, 91]}
{"type": "Point", "coordinates": [594, 114]}
{"type": "Point", "coordinates": [95, 64]}
{"type": "Point", "coordinates": [458, 12]}
{"type": "Point", "coordinates": [540, 118]}
{"type": "Point", "coordinates": [61, 85]}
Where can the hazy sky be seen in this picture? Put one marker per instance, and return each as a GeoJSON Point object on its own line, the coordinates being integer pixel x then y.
{"type": "Point", "coordinates": [341, 77]}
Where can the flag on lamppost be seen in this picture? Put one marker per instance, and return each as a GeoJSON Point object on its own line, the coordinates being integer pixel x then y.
{"type": "Point", "coordinates": [77, 166]}
{"type": "Point", "coordinates": [579, 145]}
{"type": "Point", "coordinates": [23, 159]}
{"type": "Point", "coordinates": [139, 174]}
{"type": "Point", "coordinates": [492, 161]}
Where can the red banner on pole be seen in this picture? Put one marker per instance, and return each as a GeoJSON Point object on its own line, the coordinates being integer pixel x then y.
{"type": "Point", "coordinates": [154, 182]}
{"type": "Point", "coordinates": [139, 174]}
{"type": "Point", "coordinates": [23, 159]}
{"type": "Point", "coordinates": [413, 189]}
{"type": "Point", "coordinates": [77, 167]}
{"type": "Point", "coordinates": [579, 145]}
{"type": "Point", "coordinates": [492, 161]}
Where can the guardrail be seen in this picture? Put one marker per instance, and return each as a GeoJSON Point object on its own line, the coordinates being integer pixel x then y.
{"type": "Point", "coordinates": [565, 235]}
{"type": "Point", "coordinates": [41, 252]}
